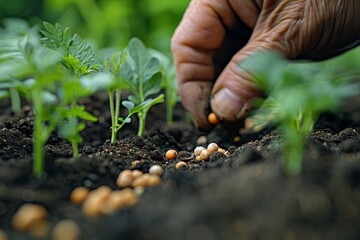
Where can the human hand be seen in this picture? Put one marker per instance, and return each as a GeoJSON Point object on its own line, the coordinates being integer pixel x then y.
{"type": "Point", "coordinates": [215, 35]}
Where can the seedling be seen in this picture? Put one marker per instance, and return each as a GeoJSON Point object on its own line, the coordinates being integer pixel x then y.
{"type": "Point", "coordinates": [298, 94]}
{"type": "Point", "coordinates": [142, 76]}
{"type": "Point", "coordinates": [78, 58]}
{"type": "Point", "coordinates": [114, 65]}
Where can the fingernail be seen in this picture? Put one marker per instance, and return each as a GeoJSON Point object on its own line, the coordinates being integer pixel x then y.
{"type": "Point", "coordinates": [228, 105]}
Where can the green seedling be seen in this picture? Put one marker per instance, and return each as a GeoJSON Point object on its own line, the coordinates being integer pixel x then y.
{"type": "Point", "coordinates": [168, 84]}
{"type": "Point", "coordinates": [114, 65]}
{"type": "Point", "coordinates": [142, 75]}
{"type": "Point", "coordinates": [78, 58]}
{"type": "Point", "coordinates": [297, 94]}
{"type": "Point", "coordinates": [11, 61]}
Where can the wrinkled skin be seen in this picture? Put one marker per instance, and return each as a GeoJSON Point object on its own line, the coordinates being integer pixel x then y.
{"type": "Point", "coordinates": [215, 35]}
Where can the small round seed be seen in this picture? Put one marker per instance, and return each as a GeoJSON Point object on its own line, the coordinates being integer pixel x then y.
{"type": "Point", "coordinates": [153, 180]}
{"type": "Point", "coordinates": [66, 230]}
{"type": "Point", "coordinates": [92, 204]}
{"type": "Point", "coordinates": [125, 179]}
{"type": "Point", "coordinates": [180, 164]}
{"type": "Point", "coordinates": [136, 173]}
{"type": "Point", "coordinates": [213, 147]}
{"type": "Point", "coordinates": [213, 118]}
{"type": "Point", "coordinates": [205, 154]}
{"type": "Point", "coordinates": [78, 195]}
{"type": "Point", "coordinates": [27, 215]}
{"type": "Point", "coordinates": [156, 170]}
{"type": "Point", "coordinates": [198, 150]}
{"type": "Point", "coordinates": [140, 181]}
{"type": "Point", "coordinates": [171, 154]}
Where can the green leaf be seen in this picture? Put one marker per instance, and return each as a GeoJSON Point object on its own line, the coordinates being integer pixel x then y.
{"type": "Point", "coordinates": [128, 104]}
{"type": "Point", "coordinates": [153, 85]}
{"type": "Point", "coordinates": [138, 52]}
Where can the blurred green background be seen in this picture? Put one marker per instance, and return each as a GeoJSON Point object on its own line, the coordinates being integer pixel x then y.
{"type": "Point", "coordinates": [108, 23]}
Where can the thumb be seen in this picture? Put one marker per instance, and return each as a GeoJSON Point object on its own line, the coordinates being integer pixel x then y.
{"type": "Point", "coordinates": [234, 90]}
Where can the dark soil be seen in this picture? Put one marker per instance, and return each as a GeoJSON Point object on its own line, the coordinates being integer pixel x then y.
{"type": "Point", "coordinates": [245, 195]}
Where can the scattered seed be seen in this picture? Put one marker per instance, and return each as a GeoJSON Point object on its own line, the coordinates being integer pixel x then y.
{"type": "Point", "coordinates": [156, 170]}
{"type": "Point", "coordinates": [212, 147]}
{"type": "Point", "coordinates": [205, 154]}
{"type": "Point", "coordinates": [94, 201]}
{"type": "Point", "coordinates": [171, 154]}
{"type": "Point", "coordinates": [221, 150]}
{"type": "Point", "coordinates": [198, 150]}
{"type": "Point", "coordinates": [213, 119]}
{"type": "Point", "coordinates": [125, 179]}
{"type": "Point", "coordinates": [140, 181]}
{"type": "Point", "coordinates": [180, 164]}
{"type": "Point", "coordinates": [78, 195]}
{"type": "Point", "coordinates": [118, 200]}
{"type": "Point", "coordinates": [198, 158]}
{"type": "Point", "coordinates": [134, 163]}
{"type": "Point", "coordinates": [237, 139]}
{"type": "Point", "coordinates": [28, 214]}
{"type": "Point", "coordinates": [66, 230]}
{"type": "Point", "coordinates": [139, 191]}
{"type": "Point", "coordinates": [202, 140]}
{"type": "Point", "coordinates": [153, 180]}
{"type": "Point", "coordinates": [136, 173]}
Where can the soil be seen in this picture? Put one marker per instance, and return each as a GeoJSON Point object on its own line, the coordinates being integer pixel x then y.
{"type": "Point", "coordinates": [245, 195]}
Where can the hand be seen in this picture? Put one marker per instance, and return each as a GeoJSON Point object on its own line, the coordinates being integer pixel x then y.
{"type": "Point", "coordinates": [215, 35]}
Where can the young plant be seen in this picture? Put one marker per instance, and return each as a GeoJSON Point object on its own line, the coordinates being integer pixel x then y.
{"type": "Point", "coordinates": [78, 58]}
{"type": "Point", "coordinates": [142, 77]}
{"type": "Point", "coordinates": [168, 83]}
{"type": "Point", "coordinates": [297, 95]}
{"type": "Point", "coordinates": [114, 65]}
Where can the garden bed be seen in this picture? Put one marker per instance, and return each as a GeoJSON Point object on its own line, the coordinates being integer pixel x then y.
{"type": "Point", "coordinates": [244, 195]}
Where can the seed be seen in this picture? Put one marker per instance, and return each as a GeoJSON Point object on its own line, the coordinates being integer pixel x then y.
{"type": "Point", "coordinates": [134, 163]}
{"type": "Point", "coordinates": [125, 179]}
{"type": "Point", "coordinates": [78, 195]}
{"type": "Point", "coordinates": [153, 180]}
{"type": "Point", "coordinates": [213, 119]}
{"type": "Point", "coordinates": [95, 199]}
{"type": "Point", "coordinates": [136, 173]}
{"type": "Point", "coordinates": [156, 170]}
{"type": "Point", "coordinates": [198, 150]}
{"type": "Point", "coordinates": [119, 199]}
{"type": "Point", "coordinates": [27, 215]}
{"type": "Point", "coordinates": [205, 154]}
{"type": "Point", "coordinates": [221, 150]}
{"type": "Point", "coordinates": [66, 230]}
{"type": "Point", "coordinates": [180, 164]}
{"type": "Point", "coordinates": [198, 158]}
{"type": "Point", "coordinates": [201, 140]}
{"type": "Point", "coordinates": [213, 147]}
{"type": "Point", "coordinates": [140, 181]}
{"type": "Point", "coordinates": [171, 154]}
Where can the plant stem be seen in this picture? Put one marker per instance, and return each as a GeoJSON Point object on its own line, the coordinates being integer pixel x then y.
{"type": "Point", "coordinates": [74, 142]}
{"type": "Point", "coordinates": [113, 125]}
{"type": "Point", "coordinates": [117, 110]}
{"type": "Point", "coordinates": [142, 117]}
{"type": "Point", "coordinates": [15, 100]}
{"type": "Point", "coordinates": [38, 162]}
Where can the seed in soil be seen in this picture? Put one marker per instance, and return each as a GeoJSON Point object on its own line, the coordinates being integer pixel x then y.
{"type": "Point", "coordinates": [78, 195]}
{"type": "Point", "coordinates": [66, 230]}
{"type": "Point", "coordinates": [153, 180]}
{"type": "Point", "coordinates": [213, 119]}
{"type": "Point", "coordinates": [136, 173]}
{"type": "Point", "coordinates": [28, 216]}
{"type": "Point", "coordinates": [201, 140]}
{"type": "Point", "coordinates": [134, 163]}
{"type": "Point", "coordinates": [39, 229]}
{"type": "Point", "coordinates": [94, 201]}
{"type": "Point", "coordinates": [213, 147]}
{"type": "Point", "coordinates": [125, 179]}
{"type": "Point", "coordinates": [156, 170]}
{"type": "Point", "coordinates": [119, 199]}
{"type": "Point", "coordinates": [198, 150]}
{"type": "Point", "coordinates": [205, 154]}
{"type": "Point", "coordinates": [180, 164]}
{"type": "Point", "coordinates": [171, 154]}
